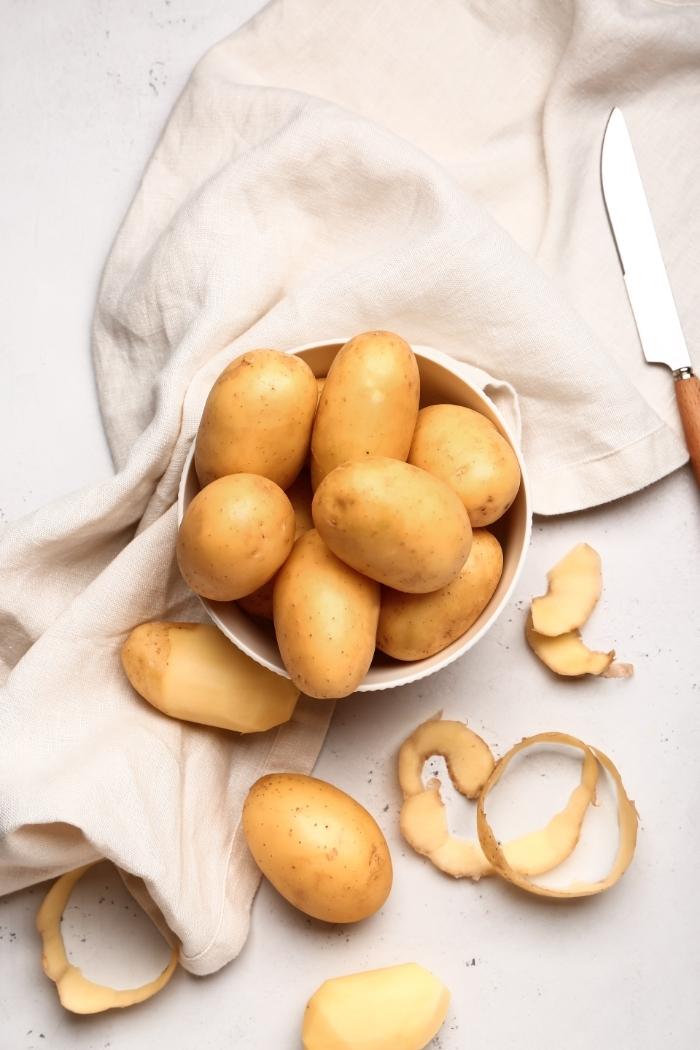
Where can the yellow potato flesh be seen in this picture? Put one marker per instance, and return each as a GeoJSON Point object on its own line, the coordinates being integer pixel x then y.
{"type": "Point", "coordinates": [415, 626]}
{"type": "Point", "coordinates": [575, 585]}
{"type": "Point", "coordinates": [258, 419]}
{"type": "Point", "coordinates": [369, 403]}
{"type": "Point", "coordinates": [192, 672]}
{"type": "Point", "coordinates": [325, 620]}
{"type": "Point", "coordinates": [320, 849]}
{"type": "Point", "coordinates": [396, 1008]}
{"type": "Point", "coordinates": [567, 654]}
{"type": "Point", "coordinates": [234, 536]}
{"type": "Point", "coordinates": [394, 523]}
{"type": "Point", "coordinates": [75, 991]}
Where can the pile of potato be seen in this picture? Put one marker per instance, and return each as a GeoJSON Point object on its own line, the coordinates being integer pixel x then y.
{"type": "Point", "coordinates": [342, 511]}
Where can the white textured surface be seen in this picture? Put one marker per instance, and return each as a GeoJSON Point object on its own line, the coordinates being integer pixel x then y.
{"type": "Point", "coordinates": [614, 972]}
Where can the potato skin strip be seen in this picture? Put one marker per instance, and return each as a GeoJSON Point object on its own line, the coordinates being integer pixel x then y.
{"type": "Point", "coordinates": [468, 757]}
{"type": "Point", "coordinates": [626, 815]}
{"type": "Point", "coordinates": [567, 654]}
{"type": "Point", "coordinates": [574, 586]}
{"type": "Point", "coordinates": [75, 991]}
{"type": "Point", "coordinates": [423, 819]}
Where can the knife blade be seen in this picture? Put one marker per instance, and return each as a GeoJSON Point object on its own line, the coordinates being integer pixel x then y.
{"type": "Point", "coordinates": [645, 276]}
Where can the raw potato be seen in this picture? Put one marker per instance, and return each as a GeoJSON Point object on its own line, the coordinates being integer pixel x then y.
{"type": "Point", "coordinates": [234, 536]}
{"type": "Point", "coordinates": [325, 619]}
{"type": "Point", "coordinates": [318, 847]}
{"type": "Point", "coordinates": [626, 816]}
{"type": "Point", "coordinates": [466, 450]}
{"type": "Point", "coordinates": [394, 523]}
{"type": "Point", "coordinates": [567, 654]}
{"type": "Point", "coordinates": [369, 403]}
{"type": "Point", "coordinates": [575, 585]}
{"type": "Point", "coordinates": [258, 419]}
{"type": "Point", "coordinates": [415, 626]}
{"type": "Point", "coordinates": [320, 383]}
{"type": "Point", "coordinates": [75, 991]}
{"type": "Point", "coordinates": [259, 603]}
{"type": "Point", "coordinates": [396, 1008]}
{"type": "Point", "coordinates": [191, 671]}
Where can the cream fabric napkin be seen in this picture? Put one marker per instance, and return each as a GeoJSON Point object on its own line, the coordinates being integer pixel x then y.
{"type": "Point", "coordinates": [430, 167]}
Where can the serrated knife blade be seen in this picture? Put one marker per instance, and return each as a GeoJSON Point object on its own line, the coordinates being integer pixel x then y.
{"type": "Point", "coordinates": [645, 276]}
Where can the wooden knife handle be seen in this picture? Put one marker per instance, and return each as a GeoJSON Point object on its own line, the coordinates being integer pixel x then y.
{"type": "Point", "coordinates": [688, 397]}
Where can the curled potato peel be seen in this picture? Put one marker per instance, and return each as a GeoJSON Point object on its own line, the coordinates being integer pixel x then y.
{"type": "Point", "coordinates": [76, 992]}
{"type": "Point", "coordinates": [468, 757]}
{"type": "Point", "coordinates": [574, 587]}
{"type": "Point", "coordinates": [567, 654]}
{"type": "Point", "coordinates": [498, 855]}
{"type": "Point", "coordinates": [470, 763]}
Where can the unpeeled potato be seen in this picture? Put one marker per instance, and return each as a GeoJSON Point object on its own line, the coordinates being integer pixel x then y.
{"type": "Point", "coordinates": [259, 603]}
{"type": "Point", "coordinates": [257, 419]}
{"type": "Point", "coordinates": [234, 536]}
{"type": "Point", "coordinates": [466, 450]}
{"type": "Point", "coordinates": [368, 404]}
{"type": "Point", "coordinates": [325, 617]}
{"type": "Point", "coordinates": [318, 847]}
{"type": "Point", "coordinates": [393, 522]}
{"type": "Point", "coordinates": [415, 626]}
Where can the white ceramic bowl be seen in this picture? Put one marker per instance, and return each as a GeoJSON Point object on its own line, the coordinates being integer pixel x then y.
{"type": "Point", "coordinates": [441, 382]}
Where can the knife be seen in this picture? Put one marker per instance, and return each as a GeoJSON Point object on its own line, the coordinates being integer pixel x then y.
{"type": "Point", "coordinates": [645, 275]}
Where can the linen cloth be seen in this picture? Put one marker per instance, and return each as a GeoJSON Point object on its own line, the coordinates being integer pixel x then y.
{"type": "Point", "coordinates": [428, 166]}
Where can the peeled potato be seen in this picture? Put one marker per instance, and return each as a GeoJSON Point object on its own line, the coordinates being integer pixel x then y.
{"type": "Point", "coordinates": [396, 1008]}
{"type": "Point", "coordinates": [258, 419]}
{"type": "Point", "coordinates": [466, 450]}
{"type": "Point", "coordinates": [575, 585]}
{"type": "Point", "coordinates": [191, 671]}
{"type": "Point", "coordinates": [414, 626]}
{"type": "Point", "coordinates": [234, 536]}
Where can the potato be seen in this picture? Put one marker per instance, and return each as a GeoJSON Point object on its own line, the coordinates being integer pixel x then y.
{"type": "Point", "coordinates": [234, 536]}
{"type": "Point", "coordinates": [394, 523]}
{"type": "Point", "coordinates": [191, 671]}
{"type": "Point", "coordinates": [369, 403]}
{"type": "Point", "coordinates": [464, 449]}
{"type": "Point", "coordinates": [396, 1008]}
{"type": "Point", "coordinates": [259, 603]}
{"type": "Point", "coordinates": [318, 847]}
{"type": "Point", "coordinates": [257, 419]}
{"type": "Point", "coordinates": [325, 618]}
{"type": "Point", "coordinates": [414, 626]}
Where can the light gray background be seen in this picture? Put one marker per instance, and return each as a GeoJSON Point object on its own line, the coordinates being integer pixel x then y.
{"type": "Point", "coordinates": [85, 88]}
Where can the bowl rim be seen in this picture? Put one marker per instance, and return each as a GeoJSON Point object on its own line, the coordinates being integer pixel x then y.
{"type": "Point", "coordinates": [410, 671]}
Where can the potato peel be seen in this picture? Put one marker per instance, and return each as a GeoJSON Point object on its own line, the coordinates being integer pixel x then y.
{"type": "Point", "coordinates": [575, 584]}
{"type": "Point", "coordinates": [423, 824]}
{"type": "Point", "coordinates": [75, 991]}
{"type": "Point", "coordinates": [627, 824]}
{"type": "Point", "coordinates": [468, 757]}
{"type": "Point", "coordinates": [567, 654]}
{"type": "Point", "coordinates": [470, 763]}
